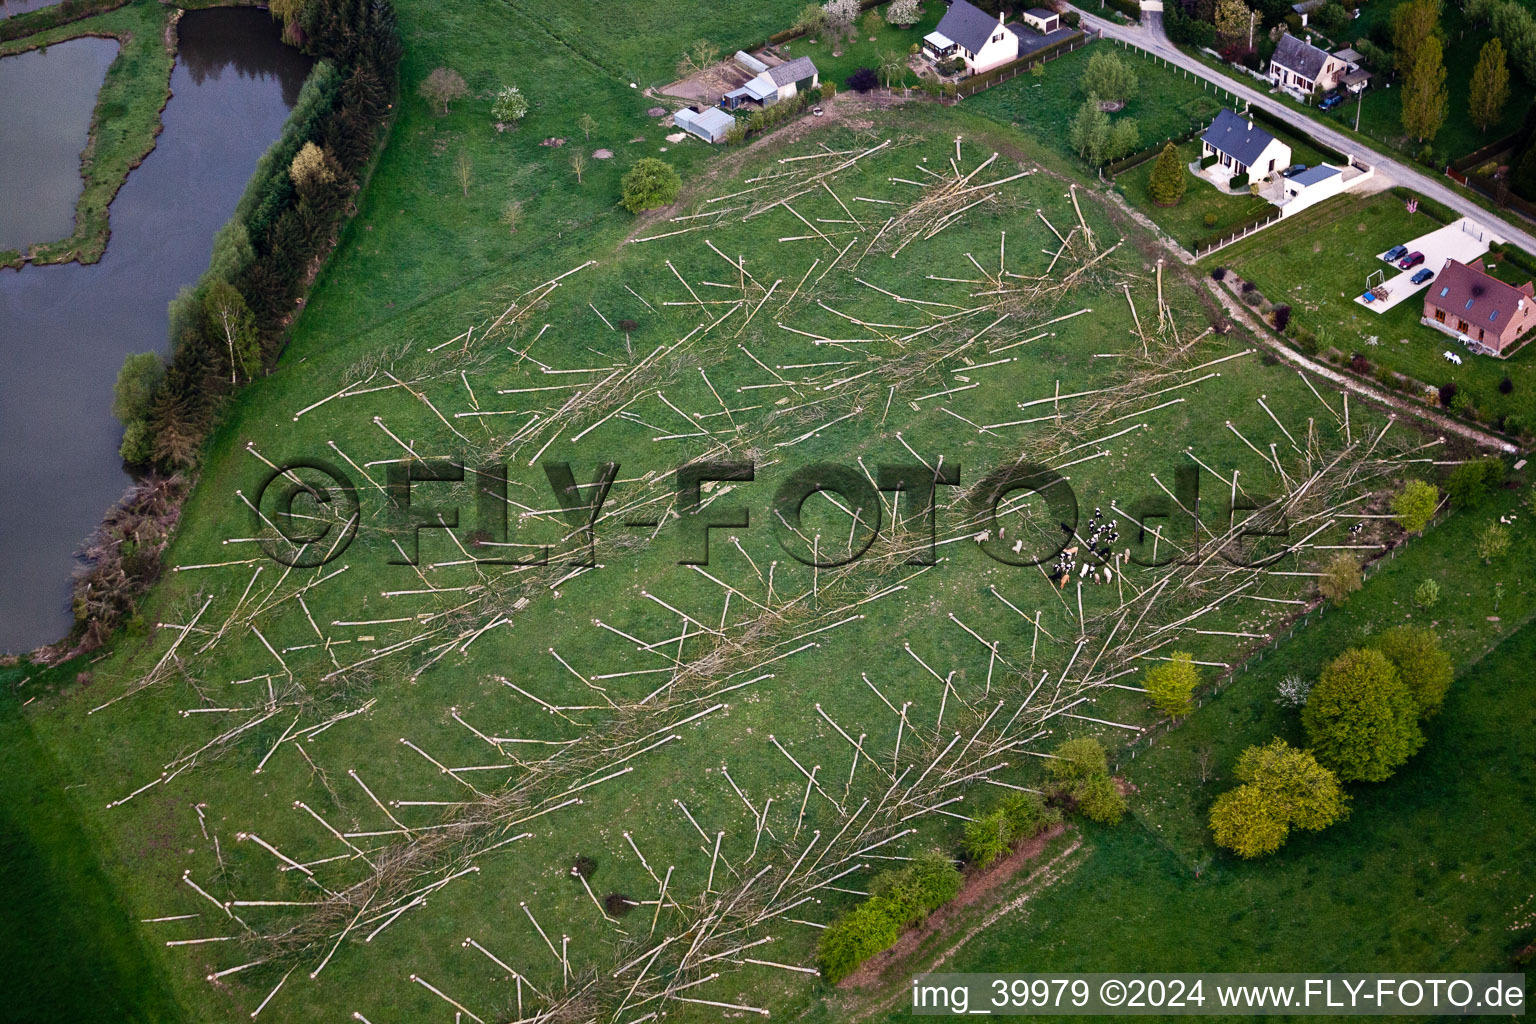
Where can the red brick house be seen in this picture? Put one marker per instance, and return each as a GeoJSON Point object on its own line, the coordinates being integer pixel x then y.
{"type": "Point", "coordinates": [1469, 305]}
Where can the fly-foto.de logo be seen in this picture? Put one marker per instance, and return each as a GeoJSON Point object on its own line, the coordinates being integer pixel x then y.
{"type": "Point", "coordinates": [308, 512]}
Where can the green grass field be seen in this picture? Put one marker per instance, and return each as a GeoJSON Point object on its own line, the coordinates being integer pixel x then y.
{"type": "Point", "coordinates": [1417, 878]}
{"type": "Point", "coordinates": [860, 51]}
{"type": "Point", "coordinates": [1318, 262]}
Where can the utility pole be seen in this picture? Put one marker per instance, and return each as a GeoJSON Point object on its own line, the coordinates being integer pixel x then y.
{"type": "Point", "coordinates": [1359, 102]}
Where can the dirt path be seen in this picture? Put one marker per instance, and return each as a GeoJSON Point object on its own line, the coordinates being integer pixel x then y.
{"type": "Point", "coordinates": [976, 888]}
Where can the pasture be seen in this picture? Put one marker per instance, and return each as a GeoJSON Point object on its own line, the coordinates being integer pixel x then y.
{"type": "Point", "coordinates": [362, 787]}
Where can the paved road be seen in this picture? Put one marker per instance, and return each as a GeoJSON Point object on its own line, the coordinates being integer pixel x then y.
{"type": "Point", "coordinates": [1400, 173]}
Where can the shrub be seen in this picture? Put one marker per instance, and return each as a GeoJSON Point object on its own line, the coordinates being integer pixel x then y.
{"type": "Point", "coordinates": [509, 105]}
{"type": "Point", "coordinates": [1171, 684]}
{"type": "Point", "coordinates": [649, 184]}
{"type": "Point", "coordinates": [138, 445]}
{"type": "Point", "coordinates": [863, 80]}
{"type": "Point", "coordinates": [1080, 772]}
{"type": "Point", "coordinates": [1470, 482]}
{"type": "Point", "coordinates": [1421, 663]}
{"type": "Point", "coordinates": [1305, 340]}
{"type": "Point", "coordinates": [1414, 506]}
{"type": "Point", "coordinates": [898, 898]}
{"type": "Point", "coordinates": [1219, 274]}
{"type": "Point", "coordinates": [1027, 815]}
{"type": "Point", "coordinates": [1282, 317]}
{"type": "Point", "coordinates": [1359, 363]}
{"type": "Point", "coordinates": [1426, 595]}
{"type": "Point", "coordinates": [1207, 162]}
{"type": "Point", "coordinates": [1238, 181]}
{"type": "Point", "coordinates": [1291, 692]}
{"type": "Point", "coordinates": [1361, 720]}
{"type": "Point", "coordinates": [1341, 577]}
{"type": "Point", "coordinates": [1249, 286]}
{"type": "Point", "coordinates": [134, 392]}
{"type": "Point", "coordinates": [986, 838]}
{"type": "Point", "coordinates": [1446, 394]}
{"type": "Point", "coordinates": [1283, 788]}
{"type": "Point", "coordinates": [1101, 801]}
{"type": "Point", "coordinates": [1506, 386]}
{"type": "Point", "coordinates": [1492, 543]}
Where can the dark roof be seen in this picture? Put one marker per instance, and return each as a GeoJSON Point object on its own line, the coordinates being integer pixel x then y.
{"type": "Point", "coordinates": [968, 25]}
{"type": "Point", "coordinates": [1313, 175]}
{"type": "Point", "coordinates": [1300, 56]}
{"type": "Point", "coordinates": [1237, 137]}
{"type": "Point", "coordinates": [1041, 13]}
{"type": "Point", "coordinates": [796, 70]}
{"type": "Point", "coordinates": [1475, 297]}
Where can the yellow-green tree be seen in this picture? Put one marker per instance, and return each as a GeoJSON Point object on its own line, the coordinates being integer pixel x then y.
{"type": "Point", "coordinates": [1490, 86]}
{"type": "Point", "coordinates": [1283, 788]}
{"type": "Point", "coordinates": [1424, 94]}
{"type": "Point", "coordinates": [1414, 506]}
{"type": "Point", "coordinates": [1171, 684]}
{"type": "Point", "coordinates": [1421, 664]}
{"type": "Point", "coordinates": [1412, 24]}
{"type": "Point", "coordinates": [1234, 20]}
{"type": "Point", "coordinates": [1341, 577]}
{"type": "Point", "coordinates": [1360, 718]}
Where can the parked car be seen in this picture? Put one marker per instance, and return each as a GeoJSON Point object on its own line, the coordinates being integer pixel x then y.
{"type": "Point", "coordinates": [1293, 170]}
{"type": "Point", "coordinates": [1330, 101]}
{"type": "Point", "coordinates": [1395, 253]}
{"type": "Point", "coordinates": [1422, 276]}
{"type": "Point", "coordinates": [1413, 259]}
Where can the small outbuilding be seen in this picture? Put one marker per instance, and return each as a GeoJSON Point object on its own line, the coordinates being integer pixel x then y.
{"type": "Point", "coordinates": [1042, 20]}
{"type": "Point", "coordinates": [779, 82]}
{"type": "Point", "coordinates": [710, 124]}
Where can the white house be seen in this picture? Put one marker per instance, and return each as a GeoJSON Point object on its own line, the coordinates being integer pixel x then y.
{"type": "Point", "coordinates": [1299, 67]}
{"type": "Point", "coordinates": [967, 31]}
{"type": "Point", "coordinates": [1242, 148]}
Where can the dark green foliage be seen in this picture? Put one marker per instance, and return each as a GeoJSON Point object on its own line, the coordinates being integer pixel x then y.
{"type": "Point", "coordinates": [898, 899]}
{"type": "Point", "coordinates": [650, 183]}
{"type": "Point", "coordinates": [134, 392]}
{"type": "Point", "coordinates": [863, 80]}
{"type": "Point", "coordinates": [1471, 482]}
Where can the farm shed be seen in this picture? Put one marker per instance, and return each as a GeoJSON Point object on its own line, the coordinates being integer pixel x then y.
{"type": "Point", "coordinates": [710, 124]}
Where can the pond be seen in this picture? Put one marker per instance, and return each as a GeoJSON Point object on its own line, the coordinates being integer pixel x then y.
{"type": "Point", "coordinates": [49, 95]}
{"type": "Point", "coordinates": [64, 330]}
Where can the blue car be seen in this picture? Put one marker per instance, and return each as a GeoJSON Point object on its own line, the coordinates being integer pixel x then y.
{"type": "Point", "coordinates": [1330, 101]}
{"type": "Point", "coordinates": [1422, 276]}
{"type": "Point", "coordinates": [1395, 253]}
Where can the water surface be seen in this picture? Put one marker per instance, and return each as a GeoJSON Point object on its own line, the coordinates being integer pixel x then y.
{"type": "Point", "coordinates": [64, 330]}
{"type": "Point", "coordinates": [48, 95]}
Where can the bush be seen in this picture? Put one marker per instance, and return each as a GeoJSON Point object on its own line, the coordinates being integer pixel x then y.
{"type": "Point", "coordinates": [863, 80]}
{"type": "Point", "coordinates": [1426, 595]}
{"type": "Point", "coordinates": [1414, 506]}
{"type": "Point", "coordinates": [1361, 720]}
{"type": "Point", "coordinates": [1506, 386]}
{"type": "Point", "coordinates": [1207, 162]}
{"type": "Point", "coordinates": [1283, 788]}
{"type": "Point", "coordinates": [1341, 577]}
{"type": "Point", "coordinates": [1171, 684]}
{"type": "Point", "coordinates": [509, 105]}
{"type": "Point", "coordinates": [1305, 340]}
{"type": "Point", "coordinates": [1282, 317]}
{"type": "Point", "coordinates": [986, 838]}
{"type": "Point", "coordinates": [1238, 181]}
{"type": "Point", "coordinates": [1471, 482]}
{"type": "Point", "coordinates": [1101, 801]}
{"type": "Point", "coordinates": [898, 899]}
{"type": "Point", "coordinates": [1080, 774]}
{"type": "Point", "coordinates": [1219, 274]}
{"type": "Point", "coordinates": [138, 445]}
{"type": "Point", "coordinates": [649, 184]}
{"type": "Point", "coordinates": [1492, 543]}
{"type": "Point", "coordinates": [1359, 363]}
{"type": "Point", "coordinates": [1421, 663]}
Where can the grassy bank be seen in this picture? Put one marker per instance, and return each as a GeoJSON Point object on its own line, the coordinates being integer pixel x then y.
{"type": "Point", "coordinates": [71, 951]}
{"type": "Point", "coordinates": [123, 125]}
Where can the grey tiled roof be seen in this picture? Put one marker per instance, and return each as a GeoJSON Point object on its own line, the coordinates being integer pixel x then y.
{"type": "Point", "coordinates": [968, 25]}
{"type": "Point", "coordinates": [792, 71]}
{"type": "Point", "coordinates": [1236, 137]}
{"type": "Point", "coordinates": [1300, 56]}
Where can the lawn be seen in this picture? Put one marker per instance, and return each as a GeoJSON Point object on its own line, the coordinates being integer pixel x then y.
{"type": "Point", "coordinates": [861, 51]}
{"type": "Point", "coordinates": [1346, 234]}
{"type": "Point", "coordinates": [1203, 211]}
{"type": "Point", "coordinates": [1167, 104]}
{"type": "Point", "coordinates": [1417, 878]}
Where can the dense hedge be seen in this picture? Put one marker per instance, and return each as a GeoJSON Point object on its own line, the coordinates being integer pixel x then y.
{"type": "Point", "coordinates": [1130, 8]}
{"type": "Point", "coordinates": [1515, 257]}
{"type": "Point", "coordinates": [897, 899]}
